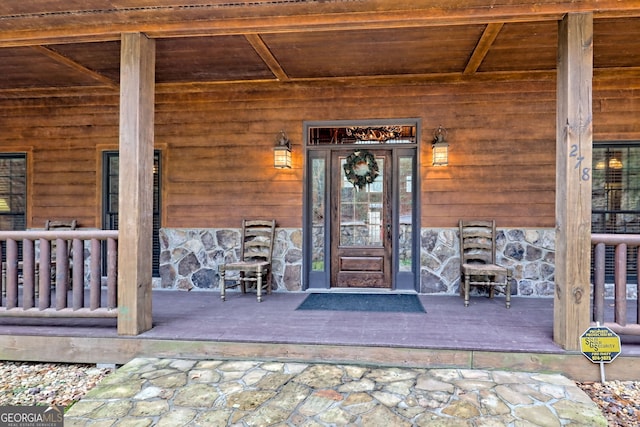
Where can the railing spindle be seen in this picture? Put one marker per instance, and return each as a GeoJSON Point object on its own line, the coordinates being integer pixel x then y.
{"type": "Point", "coordinates": [62, 273]}
{"type": "Point", "coordinates": [112, 273]}
{"type": "Point", "coordinates": [598, 282]}
{"type": "Point", "coordinates": [12, 273]}
{"type": "Point", "coordinates": [77, 281]}
{"type": "Point", "coordinates": [28, 274]}
{"type": "Point", "coordinates": [620, 281]}
{"type": "Point", "coordinates": [44, 294]}
{"type": "Point", "coordinates": [95, 281]}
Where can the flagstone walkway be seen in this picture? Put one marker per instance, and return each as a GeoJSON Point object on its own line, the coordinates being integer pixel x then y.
{"type": "Point", "coordinates": [176, 392]}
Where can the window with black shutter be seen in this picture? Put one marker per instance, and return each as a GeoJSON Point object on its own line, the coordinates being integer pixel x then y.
{"type": "Point", "coordinates": [13, 195]}
{"type": "Point", "coordinates": [110, 200]}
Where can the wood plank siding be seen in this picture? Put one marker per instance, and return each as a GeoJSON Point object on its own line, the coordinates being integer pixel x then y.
{"type": "Point", "coordinates": [218, 142]}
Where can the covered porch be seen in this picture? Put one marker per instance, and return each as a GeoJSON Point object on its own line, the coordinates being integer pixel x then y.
{"type": "Point", "coordinates": [129, 78]}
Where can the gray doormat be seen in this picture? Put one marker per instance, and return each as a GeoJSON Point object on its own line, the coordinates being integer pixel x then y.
{"type": "Point", "coordinates": [363, 302]}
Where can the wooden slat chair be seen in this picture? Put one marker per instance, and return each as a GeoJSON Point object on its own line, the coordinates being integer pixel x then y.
{"type": "Point", "coordinates": [256, 247]}
{"type": "Point", "coordinates": [478, 260]}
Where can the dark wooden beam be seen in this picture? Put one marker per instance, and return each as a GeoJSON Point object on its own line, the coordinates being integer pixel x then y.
{"type": "Point", "coordinates": [261, 49]}
{"type": "Point", "coordinates": [482, 48]}
{"type": "Point", "coordinates": [76, 66]}
{"type": "Point", "coordinates": [602, 78]}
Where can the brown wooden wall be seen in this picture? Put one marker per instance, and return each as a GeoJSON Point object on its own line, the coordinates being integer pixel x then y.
{"type": "Point", "coordinates": [217, 147]}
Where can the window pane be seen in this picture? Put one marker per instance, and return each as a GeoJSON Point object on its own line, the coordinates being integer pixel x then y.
{"type": "Point", "coordinates": [318, 179]}
{"type": "Point", "coordinates": [110, 200]}
{"type": "Point", "coordinates": [406, 210]}
{"type": "Point", "coordinates": [13, 191]}
{"type": "Point", "coordinates": [361, 211]}
{"type": "Point", "coordinates": [369, 134]}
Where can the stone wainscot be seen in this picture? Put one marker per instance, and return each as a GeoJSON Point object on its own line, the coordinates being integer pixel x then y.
{"type": "Point", "coordinates": [189, 259]}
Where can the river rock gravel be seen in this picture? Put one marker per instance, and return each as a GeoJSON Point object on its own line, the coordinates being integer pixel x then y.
{"type": "Point", "coordinates": [618, 400]}
{"type": "Point", "coordinates": [26, 383]}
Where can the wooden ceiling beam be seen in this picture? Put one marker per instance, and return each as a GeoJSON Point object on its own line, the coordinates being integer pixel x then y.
{"type": "Point", "coordinates": [601, 80]}
{"type": "Point", "coordinates": [243, 26]}
{"type": "Point", "coordinates": [263, 50]}
{"type": "Point", "coordinates": [378, 80]}
{"type": "Point", "coordinates": [489, 35]}
{"type": "Point", "coordinates": [216, 19]}
{"type": "Point", "coordinates": [75, 66]}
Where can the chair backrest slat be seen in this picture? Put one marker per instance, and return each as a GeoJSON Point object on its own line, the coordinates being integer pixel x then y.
{"type": "Point", "coordinates": [257, 240]}
{"type": "Point", "coordinates": [477, 242]}
{"type": "Point", "coordinates": [61, 225]}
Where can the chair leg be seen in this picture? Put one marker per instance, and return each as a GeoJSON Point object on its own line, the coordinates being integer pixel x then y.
{"type": "Point", "coordinates": [259, 284]}
{"type": "Point", "coordinates": [466, 290]}
{"type": "Point", "coordinates": [508, 291]}
{"type": "Point", "coordinates": [222, 287]}
{"type": "Point", "coordinates": [242, 283]}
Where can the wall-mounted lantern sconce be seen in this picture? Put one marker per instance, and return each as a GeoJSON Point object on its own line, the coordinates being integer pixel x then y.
{"type": "Point", "coordinates": [282, 152]}
{"type": "Point", "coordinates": [440, 147]}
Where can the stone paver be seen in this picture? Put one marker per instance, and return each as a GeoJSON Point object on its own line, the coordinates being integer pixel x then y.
{"type": "Point", "coordinates": [173, 392]}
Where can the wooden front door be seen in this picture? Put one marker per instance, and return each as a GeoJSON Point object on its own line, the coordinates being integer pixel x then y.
{"type": "Point", "coordinates": [361, 225]}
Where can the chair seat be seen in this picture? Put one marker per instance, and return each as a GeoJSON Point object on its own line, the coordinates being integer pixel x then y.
{"type": "Point", "coordinates": [483, 269]}
{"type": "Point", "coordinates": [246, 266]}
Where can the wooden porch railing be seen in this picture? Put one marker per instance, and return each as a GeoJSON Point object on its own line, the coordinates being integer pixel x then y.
{"type": "Point", "coordinates": [42, 286]}
{"type": "Point", "coordinates": [621, 242]}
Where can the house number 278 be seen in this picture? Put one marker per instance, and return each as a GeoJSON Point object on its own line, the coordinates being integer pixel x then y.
{"type": "Point", "coordinates": [585, 173]}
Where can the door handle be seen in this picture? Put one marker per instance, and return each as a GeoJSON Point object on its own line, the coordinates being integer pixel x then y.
{"type": "Point", "coordinates": [389, 231]}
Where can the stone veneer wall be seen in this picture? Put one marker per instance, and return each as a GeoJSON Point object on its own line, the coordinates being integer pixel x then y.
{"type": "Point", "coordinates": [529, 253]}
{"type": "Point", "coordinates": [189, 259]}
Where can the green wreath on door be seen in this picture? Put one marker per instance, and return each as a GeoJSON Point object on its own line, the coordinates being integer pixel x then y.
{"type": "Point", "coordinates": [361, 168]}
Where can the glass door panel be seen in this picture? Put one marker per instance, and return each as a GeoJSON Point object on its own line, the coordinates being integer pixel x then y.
{"type": "Point", "coordinates": [361, 211]}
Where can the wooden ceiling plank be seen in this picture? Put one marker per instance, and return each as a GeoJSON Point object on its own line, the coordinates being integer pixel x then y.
{"type": "Point", "coordinates": [263, 51]}
{"type": "Point", "coordinates": [75, 66]}
{"type": "Point", "coordinates": [482, 48]}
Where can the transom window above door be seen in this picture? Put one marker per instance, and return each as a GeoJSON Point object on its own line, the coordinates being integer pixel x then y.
{"type": "Point", "coordinates": [369, 133]}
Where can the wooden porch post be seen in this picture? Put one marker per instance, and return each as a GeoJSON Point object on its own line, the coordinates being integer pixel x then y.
{"type": "Point", "coordinates": [574, 135]}
{"type": "Point", "coordinates": [135, 209]}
